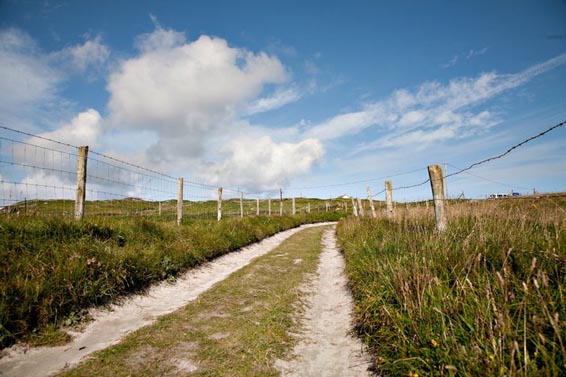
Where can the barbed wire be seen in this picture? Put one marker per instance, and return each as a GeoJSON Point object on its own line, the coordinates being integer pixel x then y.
{"type": "Point", "coordinates": [353, 182]}
{"type": "Point", "coordinates": [37, 167]}
{"type": "Point", "coordinates": [508, 150]}
{"type": "Point", "coordinates": [489, 180]}
{"type": "Point", "coordinates": [38, 137]}
{"type": "Point", "coordinates": [37, 146]}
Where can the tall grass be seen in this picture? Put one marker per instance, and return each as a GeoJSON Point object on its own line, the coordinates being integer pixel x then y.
{"type": "Point", "coordinates": [487, 297]}
{"type": "Point", "coordinates": [51, 268]}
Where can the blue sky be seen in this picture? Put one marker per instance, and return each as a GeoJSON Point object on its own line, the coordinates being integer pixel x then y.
{"type": "Point", "coordinates": [260, 95]}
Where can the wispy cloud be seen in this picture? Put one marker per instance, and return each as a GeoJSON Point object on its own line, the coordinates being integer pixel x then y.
{"type": "Point", "coordinates": [279, 99]}
{"type": "Point", "coordinates": [464, 56]}
{"type": "Point", "coordinates": [433, 111]}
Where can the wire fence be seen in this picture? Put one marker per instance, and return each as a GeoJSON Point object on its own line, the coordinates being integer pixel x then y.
{"type": "Point", "coordinates": [40, 176]}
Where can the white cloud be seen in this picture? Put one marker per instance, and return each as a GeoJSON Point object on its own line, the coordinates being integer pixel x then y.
{"type": "Point", "coordinates": [91, 54]}
{"type": "Point", "coordinates": [439, 111]}
{"type": "Point", "coordinates": [474, 52]}
{"type": "Point", "coordinates": [262, 164]}
{"type": "Point", "coordinates": [464, 56]}
{"type": "Point", "coordinates": [189, 88]}
{"type": "Point", "coordinates": [279, 99]}
{"type": "Point", "coordinates": [190, 94]}
{"type": "Point", "coordinates": [160, 39]}
{"type": "Point", "coordinates": [83, 129]}
{"type": "Point", "coordinates": [26, 78]}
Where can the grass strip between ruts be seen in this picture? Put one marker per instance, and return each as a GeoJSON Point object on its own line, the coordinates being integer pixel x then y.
{"type": "Point", "coordinates": [237, 328]}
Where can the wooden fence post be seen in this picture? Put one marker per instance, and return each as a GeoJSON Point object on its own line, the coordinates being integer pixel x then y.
{"type": "Point", "coordinates": [346, 206]}
{"type": "Point", "coordinates": [280, 202]}
{"type": "Point", "coordinates": [360, 207]}
{"type": "Point", "coordinates": [372, 207]}
{"type": "Point", "coordinates": [294, 207]}
{"type": "Point", "coordinates": [81, 183]}
{"type": "Point", "coordinates": [179, 200]}
{"type": "Point", "coordinates": [257, 207]}
{"type": "Point", "coordinates": [241, 204]}
{"type": "Point", "coordinates": [308, 208]}
{"type": "Point", "coordinates": [437, 185]}
{"type": "Point", "coordinates": [389, 199]}
{"type": "Point", "coordinates": [327, 205]}
{"type": "Point", "coordinates": [354, 209]}
{"type": "Point", "coordinates": [269, 206]}
{"type": "Point", "coordinates": [219, 216]}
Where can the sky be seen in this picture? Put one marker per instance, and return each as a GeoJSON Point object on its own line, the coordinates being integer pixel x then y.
{"type": "Point", "coordinates": [321, 98]}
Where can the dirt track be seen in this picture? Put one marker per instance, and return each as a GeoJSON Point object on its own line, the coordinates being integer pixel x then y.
{"type": "Point", "coordinates": [327, 348]}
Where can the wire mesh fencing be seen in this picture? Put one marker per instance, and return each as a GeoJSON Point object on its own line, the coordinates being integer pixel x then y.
{"type": "Point", "coordinates": [40, 176]}
{"type": "Point", "coordinates": [37, 175]}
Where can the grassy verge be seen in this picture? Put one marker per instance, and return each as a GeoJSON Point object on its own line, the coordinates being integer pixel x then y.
{"type": "Point", "coordinates": [50, 270]}
{"type": "Point", "coordinates": [487, 297]}
{"type": "Point", "coordinates": [237, 328]}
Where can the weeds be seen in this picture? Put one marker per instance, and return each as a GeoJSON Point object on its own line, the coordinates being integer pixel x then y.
{"type": "Point", "coordinates": [50, 268]}
{"type": "Point", "coordinates": [487, 297]}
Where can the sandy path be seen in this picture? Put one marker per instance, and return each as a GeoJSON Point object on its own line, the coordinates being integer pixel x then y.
{"type": "Point", "coordinates": [327, 348]}
{"type": "Point", "coordinates": [109, 326]}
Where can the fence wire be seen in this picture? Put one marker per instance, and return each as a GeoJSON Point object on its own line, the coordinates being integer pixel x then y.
{"type": "Point", "coordinates": [38, 177]}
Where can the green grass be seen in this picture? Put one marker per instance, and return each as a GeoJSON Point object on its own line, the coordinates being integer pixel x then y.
{"type": "Point", "coordinates": [51, 269]}
{"type": "Point", "coordinates": [237, 328]}
{"type": "Point", "coordinates": [487, 297]}
{"type": "Point", "coordinates": [191, 209]}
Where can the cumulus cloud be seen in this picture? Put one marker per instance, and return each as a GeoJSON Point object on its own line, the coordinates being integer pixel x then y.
{"type": "Point", "coordinates": [83, 129]}
{"type": "Point", "coordinates": [433, 111]}
{"type": "Point", "coordinates": [188, 95]}
{"type": "Point", "coordinates": [191, 94]}
{"type": "Point", "coordinates": [263, 164]}
{"type": "Point", "coordinates": [189, 88]}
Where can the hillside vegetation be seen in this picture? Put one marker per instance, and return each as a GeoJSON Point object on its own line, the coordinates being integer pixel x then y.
{"type": "Point", "coordinates": [51, 269]}
{"type": "Point", "coordinates": [487, 297]}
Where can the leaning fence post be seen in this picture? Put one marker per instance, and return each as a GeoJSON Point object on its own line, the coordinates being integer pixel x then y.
{"type": "Point", "coordinates": [280, 202]}
{"type": "Point", "coordinates": [294, 207]}
{"type": "Point", "coordinates": [257, 207]}
{"type": "Point", "coordinates": [179, 200]}
{"type": "Point", "coordinates": [389, 199]}
{"type": "Point", "coordinates": [241, 204]}
{"type": "Point", "coordinates": [354, 209]}
{"type": "Point", "coordinates": [81, 183]}
{"type": "Point", "coordinates": [219, 217]}
{"type": "Point", "coordinates": [373, 214]}
{"type": "Point", "coordinates": [437, 185]}
{"type": "Point", "coordinates": [360, 207]}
